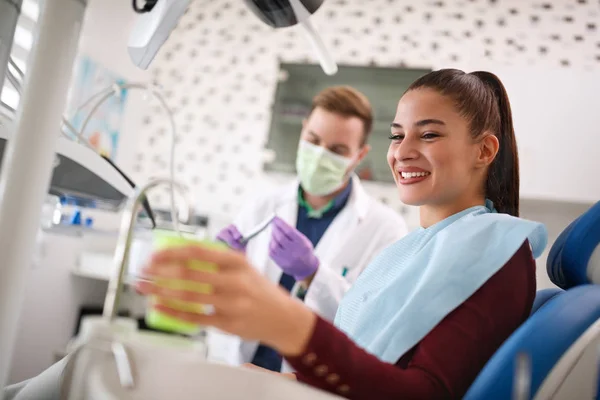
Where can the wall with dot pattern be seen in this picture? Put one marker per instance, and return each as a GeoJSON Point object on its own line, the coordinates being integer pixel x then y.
{"type": "Point", "coordinates": [219, 73]}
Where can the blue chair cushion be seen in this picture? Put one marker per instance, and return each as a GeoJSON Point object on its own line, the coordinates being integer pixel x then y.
{"type": "Point", "coordinates": [567, 263]}
{"type": "Point", "coordinates": [545, 337]}
{"type": "Point", "coordinates": [543, 296]}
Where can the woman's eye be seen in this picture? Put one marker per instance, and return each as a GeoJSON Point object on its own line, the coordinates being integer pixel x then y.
{"type": "Point", "coordinates": [396, 136]}
{"type": "Point", "coordinates": [430, 135]}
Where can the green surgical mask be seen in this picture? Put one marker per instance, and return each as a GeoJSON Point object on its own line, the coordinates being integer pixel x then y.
{"type": "Point", "coordinates": [320, 171]}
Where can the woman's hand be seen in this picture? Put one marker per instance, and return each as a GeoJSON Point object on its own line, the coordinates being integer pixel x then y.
{"type": "Point", "coordinates": [245, 303]}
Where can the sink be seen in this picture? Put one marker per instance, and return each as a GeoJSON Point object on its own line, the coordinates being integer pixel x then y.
{"type": "Point", "coordinates": [165, 370]}
{"type": "Point", "coordinates": [158, 377]}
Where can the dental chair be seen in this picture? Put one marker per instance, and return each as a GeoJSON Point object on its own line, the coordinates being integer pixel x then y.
{"type": "Point", "coordinates": [543, 296]}
{"type": "Point", "coordinates": [555, 353]}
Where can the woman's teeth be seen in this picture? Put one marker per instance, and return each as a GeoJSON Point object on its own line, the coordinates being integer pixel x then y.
{"type": "Point", "coordinates": [408, 175]}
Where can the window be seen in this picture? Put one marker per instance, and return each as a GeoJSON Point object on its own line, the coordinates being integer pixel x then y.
{"type": "Point", "coordinates": [22, 43]}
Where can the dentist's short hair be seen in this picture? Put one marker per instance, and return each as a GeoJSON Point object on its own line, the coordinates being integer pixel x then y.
{"type": "Point", "coordinates": [347, 102]}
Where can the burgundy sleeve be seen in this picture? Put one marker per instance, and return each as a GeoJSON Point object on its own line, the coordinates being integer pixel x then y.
{"type": "Point", "coordinates": [445, 363]}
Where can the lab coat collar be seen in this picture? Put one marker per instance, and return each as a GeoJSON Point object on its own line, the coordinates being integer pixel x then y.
{"type": "Point", "coordinates": [359, 199]}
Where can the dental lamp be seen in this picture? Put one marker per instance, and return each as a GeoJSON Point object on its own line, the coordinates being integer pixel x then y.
{"type": "Point", "coordinates": [158, 18]}
{"type": "Point", "coordinates": [29, 157]}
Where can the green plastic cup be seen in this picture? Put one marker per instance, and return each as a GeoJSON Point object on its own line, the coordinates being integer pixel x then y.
{"type": "Point", "coordinates": [160, 321]}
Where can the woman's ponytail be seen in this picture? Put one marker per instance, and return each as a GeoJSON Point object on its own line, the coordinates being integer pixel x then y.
{"type": "Point", "coordinates": [502, 185]}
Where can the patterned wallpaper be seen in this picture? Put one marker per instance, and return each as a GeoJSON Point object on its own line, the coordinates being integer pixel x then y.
{"type": "Point", "coordinates": [219, 71]}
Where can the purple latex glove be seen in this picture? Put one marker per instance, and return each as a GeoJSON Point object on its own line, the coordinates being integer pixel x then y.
{"type": "Point", "coordinates": [232, 237]}
{"type": "Point", "coordinates": [292, 251]}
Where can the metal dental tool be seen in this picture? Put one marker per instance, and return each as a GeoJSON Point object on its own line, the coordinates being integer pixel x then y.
{"type": "Point", "coordinates": [258, 229]}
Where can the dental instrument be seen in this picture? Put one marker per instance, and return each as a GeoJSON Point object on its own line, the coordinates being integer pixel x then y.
{"type": "Point", "coordinates": [258, 229]}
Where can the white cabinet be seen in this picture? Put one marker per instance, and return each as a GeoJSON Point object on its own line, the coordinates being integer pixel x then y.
{"type": "Point", "coordinates": [557, 124]}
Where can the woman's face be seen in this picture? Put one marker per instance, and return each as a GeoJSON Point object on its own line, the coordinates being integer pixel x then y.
{"type": "Point", "coordinates": [432, 155]}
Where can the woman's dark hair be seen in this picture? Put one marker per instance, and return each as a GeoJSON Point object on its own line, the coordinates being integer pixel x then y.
{"type": "Point", "coordinates": [481, 98]}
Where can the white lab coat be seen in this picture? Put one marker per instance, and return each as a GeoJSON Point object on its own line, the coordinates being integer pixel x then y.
{"type": "Point", "coordinates": [361, 230]}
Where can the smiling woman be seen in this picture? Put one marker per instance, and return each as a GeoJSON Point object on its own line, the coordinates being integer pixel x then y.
{"type": "Point", "coordinates": [423, 318]}
{"type": "Point", "coordinates": [448, 130]}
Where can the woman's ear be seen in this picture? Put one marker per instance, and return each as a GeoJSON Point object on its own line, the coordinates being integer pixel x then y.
{"type": "Point", "coordinates": [488, 149]}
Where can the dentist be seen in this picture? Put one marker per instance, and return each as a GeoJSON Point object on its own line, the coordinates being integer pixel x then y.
{"type": "Point", "coordinates": [327, 228]}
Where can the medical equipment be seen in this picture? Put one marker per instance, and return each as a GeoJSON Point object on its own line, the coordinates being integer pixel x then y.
{"type": "Point", "coordinates": [86, 179]}
{"type": "Point", "coordinates": [160, 18]}
{"type": "Point", "coordinates": [81, 175]}
{"type": "Point", "coordinates": [153, 28]}
{"type": "Point", "coordinates": [291, 12]}
{"type": "Point", "coordinates": [27, 167]}
{"type": "Point", "coordinates": [96, 100]}
{"type": "Point", "coordinates": [258, 229]}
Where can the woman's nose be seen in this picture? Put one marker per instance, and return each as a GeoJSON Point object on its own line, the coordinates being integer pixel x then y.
{"type": "Point", "coordinates": [406, 150]}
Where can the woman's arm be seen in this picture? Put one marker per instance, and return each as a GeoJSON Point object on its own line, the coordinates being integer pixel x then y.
{"type": "Point", "coordinates": [444, 364]}
{"type": "Point", "coordinates": [332, 362]}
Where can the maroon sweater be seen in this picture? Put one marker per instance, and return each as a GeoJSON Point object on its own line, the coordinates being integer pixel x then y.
{"type": "Point", "coordinates": [445, 363]}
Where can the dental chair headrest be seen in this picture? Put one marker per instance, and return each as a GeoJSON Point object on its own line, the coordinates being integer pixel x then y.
{"type": "Point", "coordinates": [575, 256]}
